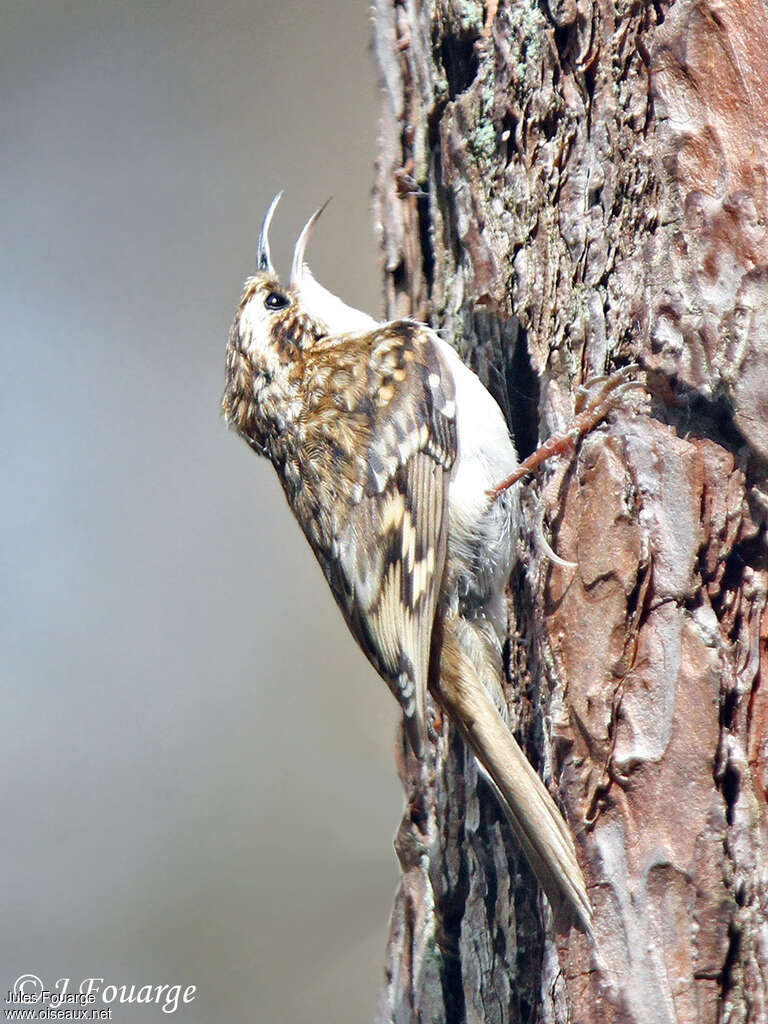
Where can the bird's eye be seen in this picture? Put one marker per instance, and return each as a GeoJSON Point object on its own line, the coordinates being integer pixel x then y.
{"type": "Point", "coordinates": [276, 300]}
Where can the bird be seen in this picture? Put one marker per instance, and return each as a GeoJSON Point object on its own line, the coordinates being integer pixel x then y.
{"type": "Point", "coordinates": [390, 451]}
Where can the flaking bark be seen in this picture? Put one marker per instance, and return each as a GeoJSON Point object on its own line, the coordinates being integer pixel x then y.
{"type": "Point", "coordinates": [561, 189]}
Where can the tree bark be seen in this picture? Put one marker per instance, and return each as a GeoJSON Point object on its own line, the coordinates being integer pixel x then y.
{"type": "Point", "coordinates": [562, 189]}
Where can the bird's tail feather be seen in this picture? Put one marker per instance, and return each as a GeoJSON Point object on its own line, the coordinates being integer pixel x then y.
{"type": "Point", "coordinates": [533, 814]}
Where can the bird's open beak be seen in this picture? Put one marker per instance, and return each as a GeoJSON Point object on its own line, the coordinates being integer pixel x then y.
{"type": "Point", "coordinates": [263, 260]}
{"type": "Point", "coordinates": [297, 265]}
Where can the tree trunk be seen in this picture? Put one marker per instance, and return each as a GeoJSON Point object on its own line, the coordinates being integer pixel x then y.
{"type": "Point", "coordinates": [562, 189]}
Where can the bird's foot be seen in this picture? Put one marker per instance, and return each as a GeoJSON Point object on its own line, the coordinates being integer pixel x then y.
{"type": "Point", "coordinates": [594, 402]}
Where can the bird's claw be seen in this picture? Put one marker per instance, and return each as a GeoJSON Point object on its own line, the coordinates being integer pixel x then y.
{"type": "Point", "coordinates": [612, 390]}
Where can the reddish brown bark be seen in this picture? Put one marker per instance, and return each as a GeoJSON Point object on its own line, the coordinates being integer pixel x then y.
{"type": "Point", "coordinates": [562, 189]}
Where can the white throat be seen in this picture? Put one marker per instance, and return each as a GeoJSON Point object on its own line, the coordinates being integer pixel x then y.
{"type": "Point", "coordinates": [323, 305]}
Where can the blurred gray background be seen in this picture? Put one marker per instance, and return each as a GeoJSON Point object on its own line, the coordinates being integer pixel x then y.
{"type": "Point", "coordinates": [198, 784]}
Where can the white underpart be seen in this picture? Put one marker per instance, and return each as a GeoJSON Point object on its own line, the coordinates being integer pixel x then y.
{"type": "Point", "coordinates": [480, 530]}
{"type": "Point", "coordinates": [486, 454]}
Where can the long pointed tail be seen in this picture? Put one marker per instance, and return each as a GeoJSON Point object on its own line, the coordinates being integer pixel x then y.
{"type": "Point", "coordinates": [538, 824]}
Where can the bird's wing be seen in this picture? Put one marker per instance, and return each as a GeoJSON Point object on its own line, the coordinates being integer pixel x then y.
{"type": "Point", "coordinates": [391, 549]}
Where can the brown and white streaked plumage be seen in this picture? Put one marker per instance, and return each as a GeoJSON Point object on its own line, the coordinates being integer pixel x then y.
{"type": "Point", "coordinates": [387, 446]}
